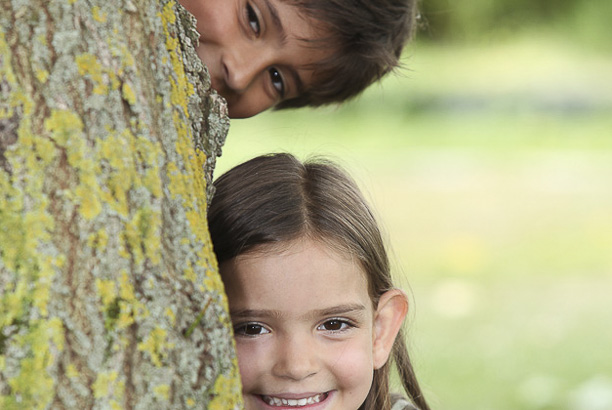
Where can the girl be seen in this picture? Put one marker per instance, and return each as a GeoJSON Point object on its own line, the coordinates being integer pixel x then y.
{"type": "Point", "coordinates": [316, 316]}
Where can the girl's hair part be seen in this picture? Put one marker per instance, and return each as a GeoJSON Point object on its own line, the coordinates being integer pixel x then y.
{"type": "Point", "coordinates": [274, 199]}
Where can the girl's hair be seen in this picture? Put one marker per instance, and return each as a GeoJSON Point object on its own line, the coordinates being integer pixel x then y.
{"type": "Point", "coordinates": [366, 39]}
{"type": "Point", "coordinates": [274, 199]}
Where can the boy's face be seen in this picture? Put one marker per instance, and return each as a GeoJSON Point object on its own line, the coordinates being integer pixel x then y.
{"type": "Point", "coordinates": [304, 326]}
{"type": "Point", "coordinates": [254, 51]}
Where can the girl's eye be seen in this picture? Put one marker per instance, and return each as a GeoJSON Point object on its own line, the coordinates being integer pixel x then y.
{"type": "Point", "coordinates": [277, 81]}
{"type": "Point", "coordinates": [252, 19]}
{"type": "Point", "coordinates": [335, 325]}
{"type": "Point", "coordinates": [250, 329]}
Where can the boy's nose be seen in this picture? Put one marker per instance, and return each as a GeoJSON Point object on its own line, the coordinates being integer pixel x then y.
{"type": "Point", "coordinates": [295, 359]}
{"type": "Point", "coordinates": [242, 67]}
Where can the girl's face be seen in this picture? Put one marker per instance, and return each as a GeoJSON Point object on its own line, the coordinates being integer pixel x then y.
{"type": "Point", "coordinates": [306, 330]}
{"type": "Point", "coordinates": [254, 51]}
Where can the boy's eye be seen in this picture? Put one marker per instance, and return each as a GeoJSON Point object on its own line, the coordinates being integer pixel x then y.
{"type": "Point", "coordinates": [334, 325]}
{"type": "Point", "coordinates": [277, 81]}
{"type": "Point", "coordinates": [250, 329]}
{"type": "Point", "coordinates": [252, 19]}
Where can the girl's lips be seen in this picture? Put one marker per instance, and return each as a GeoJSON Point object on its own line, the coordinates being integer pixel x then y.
{"type": "Point", "coordinates": [276, 401]}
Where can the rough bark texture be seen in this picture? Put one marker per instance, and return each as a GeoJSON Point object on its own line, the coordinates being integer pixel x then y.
{"type": "Point", "coordinates": [109, 290]}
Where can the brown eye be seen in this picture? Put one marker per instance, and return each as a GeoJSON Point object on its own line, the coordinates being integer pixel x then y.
{"type": "Point", "coordinates": [277, 81]}
{"type": "Point", "coordinates": [335, 325]}
{"type": "Point", "coordinates": [253, 19]}
{"type": "Point", "coordinates": [250, 329]}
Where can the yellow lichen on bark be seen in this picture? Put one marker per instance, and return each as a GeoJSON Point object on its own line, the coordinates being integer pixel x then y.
{"type": "Point", "coordinates": [25, 225]}
{"type": "Point", "coordinates": [110, 295]}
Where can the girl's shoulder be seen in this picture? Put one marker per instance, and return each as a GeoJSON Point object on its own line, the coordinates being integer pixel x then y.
{"type": "Point", "coordinates": [400, 403]}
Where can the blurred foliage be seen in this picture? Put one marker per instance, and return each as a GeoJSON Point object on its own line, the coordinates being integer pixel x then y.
{"type": "Point", "coordinates": [581, 21]}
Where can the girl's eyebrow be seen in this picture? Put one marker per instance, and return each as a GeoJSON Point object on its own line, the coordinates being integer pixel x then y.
{"type": "Point", "coordinates": [329, 311]}
{"type": "Point", "coordinates": [249, 313]}
{"type": "Point", "coordinates": [340, 309]}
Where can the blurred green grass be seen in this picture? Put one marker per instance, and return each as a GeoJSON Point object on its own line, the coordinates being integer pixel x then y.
{"type": "Point", "coordinates": [491, 169]}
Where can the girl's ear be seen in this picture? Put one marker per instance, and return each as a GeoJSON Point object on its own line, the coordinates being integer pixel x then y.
{"type": "Point", "coordinates": [388, 318]}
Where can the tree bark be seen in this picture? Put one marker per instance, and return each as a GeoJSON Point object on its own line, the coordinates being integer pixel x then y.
{"type": "Point", "coordinates": [109, 290]}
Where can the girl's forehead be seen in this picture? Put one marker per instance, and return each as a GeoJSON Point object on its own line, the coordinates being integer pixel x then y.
{"type": "Point", "coordinates": [300, 267]}
{"type": "Point", "coordinates": [326, 247]}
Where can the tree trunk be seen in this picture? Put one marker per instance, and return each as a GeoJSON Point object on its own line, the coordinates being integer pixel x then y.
{"type": "Point", "coordinates": [109, 291]}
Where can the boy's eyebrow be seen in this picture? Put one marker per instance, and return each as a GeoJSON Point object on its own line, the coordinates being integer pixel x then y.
{"type": "Point", "coordinates": [276, 19]}
{"type": "Point", "coordinates": [278, 23]}
{"type": "Point", "coordinates": [299, 84]}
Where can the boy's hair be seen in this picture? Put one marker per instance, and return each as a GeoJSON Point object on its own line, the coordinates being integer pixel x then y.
{"type": "Point", "coordinates": [366, 38]}
{"type": "Point", "coordinates": [273, 199]}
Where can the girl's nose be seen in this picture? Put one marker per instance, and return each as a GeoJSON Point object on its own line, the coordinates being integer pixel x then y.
{"type": "Point", "coordinates": [295, 359]}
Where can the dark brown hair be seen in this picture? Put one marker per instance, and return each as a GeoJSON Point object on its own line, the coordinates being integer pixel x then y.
{"type": "Point", "coordinates": [274, 199]}
{"type": "Point", "coordinates": [366, 39]}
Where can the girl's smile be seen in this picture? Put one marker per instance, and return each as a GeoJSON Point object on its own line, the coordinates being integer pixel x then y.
{"type": "Point", "coordinates": [295, 400]}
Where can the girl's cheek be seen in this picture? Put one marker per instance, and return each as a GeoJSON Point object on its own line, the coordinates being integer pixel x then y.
{"type": "Point", "coordinates": [250, 360]}
{"type": "Point", "coordinates": [356, 364]}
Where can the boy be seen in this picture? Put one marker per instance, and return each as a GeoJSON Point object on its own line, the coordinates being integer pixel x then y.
{"type": "Point", "coordinates": [296, 53]}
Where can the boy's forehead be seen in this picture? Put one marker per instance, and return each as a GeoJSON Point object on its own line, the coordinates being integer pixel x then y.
{"type": "Point", "coordinates": [295, 23]}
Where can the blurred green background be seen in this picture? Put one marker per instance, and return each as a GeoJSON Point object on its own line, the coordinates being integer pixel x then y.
{"type": "Point", "coordinates": [489, 161]}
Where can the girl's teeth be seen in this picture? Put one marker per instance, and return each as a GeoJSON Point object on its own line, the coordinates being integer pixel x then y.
{"type": "Point", "coordinates": [277, 401]}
